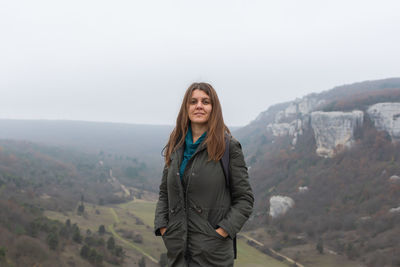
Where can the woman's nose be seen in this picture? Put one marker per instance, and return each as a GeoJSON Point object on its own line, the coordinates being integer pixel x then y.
{"type": "Point", "coordinates": [199, 105]}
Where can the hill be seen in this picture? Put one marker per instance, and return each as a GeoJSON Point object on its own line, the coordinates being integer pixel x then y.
{"type": "Point", "coordinates": [325, 168]}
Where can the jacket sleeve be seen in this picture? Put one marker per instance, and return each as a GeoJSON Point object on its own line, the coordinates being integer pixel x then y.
{"type": "Point", "coordinates": [161, 214]}
{"type": "Point", "coordinates": [242, 198]}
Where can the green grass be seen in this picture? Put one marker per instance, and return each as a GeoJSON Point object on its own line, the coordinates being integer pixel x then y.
{"type": "Point", "coordinates": [130, 244]}
{"type": "Point", "coordinates": [308, 255]}
{"type": "Point", "coordinates": [251, 257]}
{"type": "Point", "coordinates": [142, 209]}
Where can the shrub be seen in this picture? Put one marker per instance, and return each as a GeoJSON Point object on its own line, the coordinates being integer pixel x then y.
{"type": "Point", "coordinates": [138, 239]}
{"type": "Point", "coordinates": [110, 243]}
{"type": "Point", "coordinates": [52, 240]}
{"type": "Point", "coordinates": [102, 229]}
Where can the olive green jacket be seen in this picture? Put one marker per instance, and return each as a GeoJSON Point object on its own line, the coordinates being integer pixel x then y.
{"type": "Point", "coordinates": [191, 210]}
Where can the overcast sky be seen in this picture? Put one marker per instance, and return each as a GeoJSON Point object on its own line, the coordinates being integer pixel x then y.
{"type": "Point", "coordinates": [131, 61]}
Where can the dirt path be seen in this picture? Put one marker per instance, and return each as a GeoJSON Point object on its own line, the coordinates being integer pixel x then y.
{"type": "Point", "coordinates": [273, 251]}
{"type": "Point", "coordinates": [123, 187]}
{"type": "Point", "coordinates": [128, 243]}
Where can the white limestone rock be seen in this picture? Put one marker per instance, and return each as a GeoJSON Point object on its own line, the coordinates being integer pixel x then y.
{"type": "Point", "coordinates": [394, 210]}
{"type": "Point", "coordinates": [394, 179]}
{"type": "Point", "coordinates": [386, 117]}
{"type": "Point", "coordinates": [334, 129]}
{"type": "Point", "coordinates": [291, 110]}
{"type": "Point", "coordinates": [365, 218]}
{"type": "Point", "coordinates": [282, 129]}
{"type": "Point", "coordinates": [303, 189]}
{"type": "Point", "coordinates": [309, 104]}
{"type": "Point", "coordinates": [298, 107]}
{"type": "Point", "coordinates": [294, 129]}
{"type": "Point", "coordinates": [279, 205]}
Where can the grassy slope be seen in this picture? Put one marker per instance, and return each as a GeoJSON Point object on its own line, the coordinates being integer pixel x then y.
{"type": "Point", "coordinates": [123, 217]}
{"type": "Point", "coordinates": [305, 254]}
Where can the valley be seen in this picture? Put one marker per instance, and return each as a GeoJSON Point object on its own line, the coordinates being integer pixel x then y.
{"type": "Point", "coordinates": [127, 220]}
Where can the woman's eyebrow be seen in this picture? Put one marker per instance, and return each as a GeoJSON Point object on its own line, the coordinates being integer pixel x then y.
{"type": "Point", "coordinates": [202, 98]}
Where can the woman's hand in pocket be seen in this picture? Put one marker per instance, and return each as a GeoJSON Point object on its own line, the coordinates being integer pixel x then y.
{"type": "Point", "coordinates": [162, 230]}
{"type": "Point", "coordinates": [222, 232]}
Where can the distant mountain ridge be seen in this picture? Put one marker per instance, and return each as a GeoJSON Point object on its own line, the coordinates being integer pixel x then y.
{"type": "Point", "coordinates": [129, 139]}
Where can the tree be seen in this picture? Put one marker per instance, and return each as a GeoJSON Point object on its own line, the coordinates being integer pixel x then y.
{"type": "Point", "coordinates": [142, 262]}
{"type": "Point", "coordinates": [118, 251]}
{"type": "Point", "coordinates": [68, 223]}
{"type": "Point", "coordinates": [77, 237]}
{"type": "Point", "coordinates": [81, 209]}
{"type": "Point", "coordinates": [52, 240]}
{"type": "Point", "coordinates": [92, 255]}
{"type": "Point", "coordinates": [3, 251]}
{"type": "Point", "coordinates": [102, 229]}
{"type": "Point", "coordinates": [111, 243]}
{"type": "Point", "coordinates": [320, 246]}
{"type": "Point", "coordinates": [85, 251]}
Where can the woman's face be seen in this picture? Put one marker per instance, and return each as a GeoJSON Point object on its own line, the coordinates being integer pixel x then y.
{"type": "Point", "coordinates": [199, 107]}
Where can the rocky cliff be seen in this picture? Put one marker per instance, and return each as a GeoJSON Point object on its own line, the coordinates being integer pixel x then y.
{"type": "Point", "coordinates": [333, 129]}
{"type": "Point", "coordinates": [386, 117]}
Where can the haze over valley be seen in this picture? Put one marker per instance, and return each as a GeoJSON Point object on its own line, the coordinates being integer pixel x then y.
{"type": "Point", "coordinates": [324, 168]}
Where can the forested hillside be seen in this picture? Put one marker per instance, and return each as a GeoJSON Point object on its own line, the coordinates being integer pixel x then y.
{"type": "Point", "coordinates": [36, 178]}
{"type": "Point", "coordinates": [333, 181]}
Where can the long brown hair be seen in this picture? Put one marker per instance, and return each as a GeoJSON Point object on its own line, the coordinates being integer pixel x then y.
{"type": "Point", "coordinates": [216, 127]}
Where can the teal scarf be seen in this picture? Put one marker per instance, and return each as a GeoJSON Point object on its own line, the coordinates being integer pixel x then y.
{"type": "Point", "coordinates": [190, 148]}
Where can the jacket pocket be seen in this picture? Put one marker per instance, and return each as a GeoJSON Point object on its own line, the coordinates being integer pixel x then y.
{"type": "Point", "coordinates": [173, 238]}
{"type": "Point", "coordinates": [217, 250]}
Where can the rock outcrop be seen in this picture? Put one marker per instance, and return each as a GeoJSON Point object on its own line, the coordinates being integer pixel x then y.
{"type": "Point", "coordinates": [303, 189]}
{"type": "Point", "coordinates": [294, 129]}
{"type": "Point", "coordinates": [279, 205]}
{"type": "Point", "coordinates": [329, 116]}
{"type": "Point", "coordinates": [394, 179]}
{"type": "Point", "coordinates": [334, 130]}
{"type": "Point", "coordinates": [394, 210]}
{"type": "Point", "coordinates": [294, 118]}
{"type": "Point", "coordinates": [386, 117]}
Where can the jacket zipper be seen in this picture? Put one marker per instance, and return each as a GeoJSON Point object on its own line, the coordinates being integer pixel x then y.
{"type": "Point", "coordinates": [187, 208]}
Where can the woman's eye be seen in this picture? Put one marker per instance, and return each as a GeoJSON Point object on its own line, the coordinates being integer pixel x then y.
{"type": "Point", "coordinates": [193, 101]}
{"type": "Point", "coordinates": [206, 102]}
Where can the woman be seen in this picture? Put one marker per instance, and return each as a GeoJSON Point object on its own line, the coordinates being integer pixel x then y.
{"type": "Point", "coordinates": [198, 214]}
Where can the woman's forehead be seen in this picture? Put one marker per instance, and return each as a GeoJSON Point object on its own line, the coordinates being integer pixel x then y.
{"type": "Point", "coordinates": [198, 93]}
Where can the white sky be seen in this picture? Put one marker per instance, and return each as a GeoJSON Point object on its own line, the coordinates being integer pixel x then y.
{"type": "Point", "coordinates": [131, 61]}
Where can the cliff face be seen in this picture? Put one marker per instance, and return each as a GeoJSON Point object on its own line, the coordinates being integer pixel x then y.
{"type": "Point", "coordinates": [333, 130]}
{"type": "Point", "coordinates": [386, 117]}
{"type": "Point", "coordinates": [331, 116]}
{"type": "Point", "coordinates": [294, 118]}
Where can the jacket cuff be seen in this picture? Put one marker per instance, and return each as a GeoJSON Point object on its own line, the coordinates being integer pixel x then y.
{"type": "Point", "coordinates": [157, 230]}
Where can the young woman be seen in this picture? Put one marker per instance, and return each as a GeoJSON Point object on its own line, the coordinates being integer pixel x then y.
{"type": "Point", "coordinates": [198, 214]}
